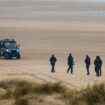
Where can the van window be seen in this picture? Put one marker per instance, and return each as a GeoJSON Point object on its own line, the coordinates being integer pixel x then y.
{"type": "Point", "coordinates": [10, 45]}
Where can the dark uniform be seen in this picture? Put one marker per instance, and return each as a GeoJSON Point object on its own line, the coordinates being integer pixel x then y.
{"type": "Point", "coordinates": [100, 66]}
{"type": "Point", "coordinates": [97, 65]}
{"type": "Point", "coordinates": [70, 63]}
{"type": "Point", "coordinates": [52, 61]}
{"type": "Point", "coordinates": [87, 62]}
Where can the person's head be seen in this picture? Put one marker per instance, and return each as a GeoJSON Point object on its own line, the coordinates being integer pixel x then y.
{"type": "Point", "coordinates": [70, 54]}
{"type": "Point", "coordinates": [52, 55]}
{"type": "Point", "coordinates": [87, 56]}
{"type": "Point", "coordinates": [97, 57]}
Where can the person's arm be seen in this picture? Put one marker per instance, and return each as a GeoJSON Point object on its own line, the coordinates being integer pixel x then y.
{"type": "Point", "coordinates": [95, 62]}
{"type": "Point", "coordinates": [73, 61]}
{"type": "Point", "coordinates": [55, 59]}
{"type": "Point", "coordinates": [50, 59]}
{"type": "Point", "coordinates": [85, 61]}
{"type": "Point", "coordinates": [101, 62]}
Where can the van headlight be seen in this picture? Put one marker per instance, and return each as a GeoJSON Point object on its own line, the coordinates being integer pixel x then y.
{"type": "Point", "coordinates": [7, 50]}
{"type": "Point", "coordinates": [18, 50]}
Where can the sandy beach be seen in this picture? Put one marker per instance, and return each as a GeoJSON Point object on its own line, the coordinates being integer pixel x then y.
{"type": "Point", "coordinates": [41, 36]}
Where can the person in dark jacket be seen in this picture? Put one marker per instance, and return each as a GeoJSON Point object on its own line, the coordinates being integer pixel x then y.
{"type": "Point", "coordinates": [70, 63]}
{"type": "Point", "coordinates": [97, 65]}
{"type": "Point", "coordinates": [100, 66]}
{"type": "Point", "coordinates": [87, 62]}
{"type": "Point", "coordinates": [53, 60]}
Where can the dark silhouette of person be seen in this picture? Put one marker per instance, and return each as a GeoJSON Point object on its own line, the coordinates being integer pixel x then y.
{"type": "Point", "coordinates": [97, 65]}
{"type": "Point", "coordinates": [70, 63]}
{"type": "Point", "coordinates": [53, 60]}
{"type": "Point", "coordinates": [100, 66]}
{"type": "Point", "coordinates": [87, 62]}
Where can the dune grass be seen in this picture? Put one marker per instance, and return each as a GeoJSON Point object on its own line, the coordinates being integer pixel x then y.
{"type": "Point", "coordinates": [18, 88]}
{"type": "Point", "coordinates": [22, 91]}
{"type": "Point", "coordinates": [92, 95]}
{"type": "Point", "coordinates": [21, 101]}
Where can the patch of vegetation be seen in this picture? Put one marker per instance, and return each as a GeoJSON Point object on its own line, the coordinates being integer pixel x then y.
{"type": "Point", "coordinates": [6, 95]}
{"type": "Point", "coordinates": [22, 92]}
{"type": "Point", "coordinates": [18, 88]}
{"type": "Point", "coordinates": [92, 95]}
{"type": "Point", "coordinates": [21, 101]}
{"type": "Point", "coordinates": [95, 94]}
{"type": "Point", "coordinates": [48, 88]}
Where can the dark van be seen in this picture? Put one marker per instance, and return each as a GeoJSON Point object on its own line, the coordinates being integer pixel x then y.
{"type": "Point", "coordinates": [9, 49]}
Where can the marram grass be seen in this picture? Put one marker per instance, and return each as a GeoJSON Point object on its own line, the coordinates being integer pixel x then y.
{"type": "Point", "coordinates": [21, 91]}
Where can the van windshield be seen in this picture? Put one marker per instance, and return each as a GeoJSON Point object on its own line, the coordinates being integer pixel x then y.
{"type": "Point", "coordinates": [10, 45]}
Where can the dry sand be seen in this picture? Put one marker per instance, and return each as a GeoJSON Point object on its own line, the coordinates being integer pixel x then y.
{"type": "Point", "coordinates": [39, 39]}
{"type": "Point", "coordinates": [43, 27]}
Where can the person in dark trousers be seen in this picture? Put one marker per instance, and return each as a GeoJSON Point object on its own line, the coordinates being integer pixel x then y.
{"type": "Point", "coordinates": [97, 65]}
{"type": "Point", "coordinates": [70, 63]}
{"type": "Point", "coordinates": [100, 66]}
{"type": "Point", "coordinates": [53, 60]}
{"type": "Point", "coordinates": [87, 62]}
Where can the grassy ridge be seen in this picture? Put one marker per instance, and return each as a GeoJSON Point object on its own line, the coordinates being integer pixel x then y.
{"type": "Point", "coordinates": [26, 93]}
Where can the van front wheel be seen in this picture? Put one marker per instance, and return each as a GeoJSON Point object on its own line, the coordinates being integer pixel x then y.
{"type": "Point", "coordinates": [7, 56]}
{"type": "Point", "coordinates": [19, 57]}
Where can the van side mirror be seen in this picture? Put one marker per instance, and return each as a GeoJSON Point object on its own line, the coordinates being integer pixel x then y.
{"type": "Point", "coordinates": [18, 45]}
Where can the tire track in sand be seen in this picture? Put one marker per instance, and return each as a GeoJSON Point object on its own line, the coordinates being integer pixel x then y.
{"type": "Point", "coordinates": [40, 75]}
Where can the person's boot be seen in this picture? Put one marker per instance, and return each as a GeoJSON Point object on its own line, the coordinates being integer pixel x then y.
{"type": "Point", "coordinates": [53, 70]}
{"type": "Point", "coordinates": [67, 70]}
{"type": "Point", "coordinates": [97, 75]}
{"type": "Point", "coordinates": [88, 73]}
{"type": "Point", "coordinates": [71, 71]}
{"type": "Point", "coordinates": [100, 73]}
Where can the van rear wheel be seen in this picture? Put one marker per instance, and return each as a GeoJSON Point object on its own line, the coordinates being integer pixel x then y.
{"type": "Point", "coordinates": [0, 55]}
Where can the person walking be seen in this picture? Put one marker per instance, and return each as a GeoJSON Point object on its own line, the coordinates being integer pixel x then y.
{"type": "Point", "coordinates": [100, 66]}
{"type": "Point", "coordinates": [87, 62]}
{"type": "Point", "coordinates": [70, 63]}
{"type": "Point", "coordinates": [53, 60]}
{"type": "Point", "coordinates": [97, 65]}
